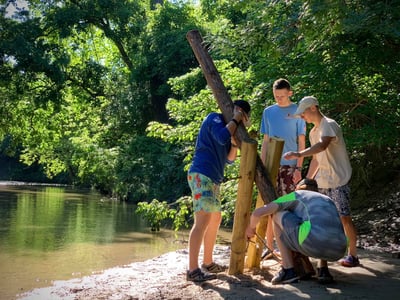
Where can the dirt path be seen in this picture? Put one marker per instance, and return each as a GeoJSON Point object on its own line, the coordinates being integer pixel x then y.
{"type": "Point", "coordinates": [163, 277]}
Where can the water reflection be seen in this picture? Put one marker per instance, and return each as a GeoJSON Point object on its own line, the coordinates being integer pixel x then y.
{"type": "Point", "coordinates": [48, 218]}
{"type": "Point", "coordinates": [55, 233]}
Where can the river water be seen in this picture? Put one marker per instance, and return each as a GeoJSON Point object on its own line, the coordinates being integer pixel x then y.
{"type": "Point", "coordinates": [50, 233]}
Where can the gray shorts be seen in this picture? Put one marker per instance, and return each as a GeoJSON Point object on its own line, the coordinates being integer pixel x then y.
{"type": "Point", "coordinates": [341, 198]}
{"type": "Point", "coordinates": [329, 246]}
{"type": "Point", "coordinates": [290, 223]}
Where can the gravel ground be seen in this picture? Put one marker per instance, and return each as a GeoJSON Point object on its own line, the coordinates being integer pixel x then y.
{"type": "Point", "coordinates": [379, 226]}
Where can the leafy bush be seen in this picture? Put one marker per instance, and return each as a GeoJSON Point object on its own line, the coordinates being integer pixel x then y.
{"type": "Point", "coordinates": [156, 212]}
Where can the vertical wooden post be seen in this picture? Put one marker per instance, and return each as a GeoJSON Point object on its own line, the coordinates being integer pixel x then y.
{"type": "Point", "coordinates": [272, 163]}
{"type": "Point", "coordinates": [243, 206]}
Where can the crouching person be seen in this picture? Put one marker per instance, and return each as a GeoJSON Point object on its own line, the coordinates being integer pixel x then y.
{"type": "Point", "coordinates": [306, 222]}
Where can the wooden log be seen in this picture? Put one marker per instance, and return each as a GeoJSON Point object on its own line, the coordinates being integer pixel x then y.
{"type": "Point", "coordinates": [272, 163]}
{"type": "Point", "coordinates": [214, 81]}
{"type": "Point", "coordinates": [243, 207]}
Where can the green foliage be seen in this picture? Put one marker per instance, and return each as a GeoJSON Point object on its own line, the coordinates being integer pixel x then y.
{"type": "Point", "coordinates": [148, 168]}
{"type": "Point", "coordinates": [188, 113]}
{"type": "Point", "coordinates": [155, 212]}
{"type": "Point", "coordinates": [342, 53]}
{"type": "Point", "coordinates": [183, 212]}
{"type": "Point", "coordinates": [110, 93]}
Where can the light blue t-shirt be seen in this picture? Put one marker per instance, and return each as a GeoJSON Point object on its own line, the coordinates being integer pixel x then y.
{"type": "Point", "coordinates": [277, 122]}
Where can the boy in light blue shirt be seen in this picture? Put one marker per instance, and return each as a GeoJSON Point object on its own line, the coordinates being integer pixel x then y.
{"type": "Point", "coordinates": [277, 122]}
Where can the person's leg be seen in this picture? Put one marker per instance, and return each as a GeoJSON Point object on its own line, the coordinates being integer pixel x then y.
{"type": "Point", "coordinates": [287, 274]}
{"type": "Point", "coordinates": [201, 221]}
{"type": "Point", "coordinates": [205, 203]}
{"type": "Point", "coordinates": [210, 237]}
{"type": "Point", "coordinates": [323, 263]}
{"type": "Point", "coordinates": [351, 234]}
{"type": "Point", "coordinates": [305, 265]}
{"type": "Point", "coordinates": [285, 185]}
{"type": "Point", "coordinates": [286, 253]}
{"type": "Point", "coordinates": [269, 236]}
{"type": "Point", "coordinates": [341, 198]}
{"type": "Point", "coordinates": [324, 276]}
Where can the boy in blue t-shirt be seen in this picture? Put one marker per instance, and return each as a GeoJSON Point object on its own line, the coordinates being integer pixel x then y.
{"type": "Point", "coordinates": [215, 147]}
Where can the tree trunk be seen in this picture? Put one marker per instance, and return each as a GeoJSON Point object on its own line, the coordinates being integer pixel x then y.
{"type": "Point", "coordinates": [214, 81]}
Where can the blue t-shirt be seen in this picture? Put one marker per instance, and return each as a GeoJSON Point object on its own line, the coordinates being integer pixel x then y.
{"type": "Point", "coordinates": [212, 147]}
{"type": "Point", "coordinates": [277, 122]}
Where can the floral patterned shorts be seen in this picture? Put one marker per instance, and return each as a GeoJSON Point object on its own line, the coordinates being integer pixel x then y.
{"type": "Point", "coordinates": [205, 193]}
{"type": "Point", "coordinates": [285, 180]}
{"type": "Point", "coordinates": [341, 197]}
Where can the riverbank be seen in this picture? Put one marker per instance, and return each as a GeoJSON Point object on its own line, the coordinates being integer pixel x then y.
{"type": "Point", "coordinates": [163, 277]}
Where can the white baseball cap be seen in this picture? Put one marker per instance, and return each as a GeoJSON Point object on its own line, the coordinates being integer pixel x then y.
{"type": "Point", "coordinates": [305, 103]}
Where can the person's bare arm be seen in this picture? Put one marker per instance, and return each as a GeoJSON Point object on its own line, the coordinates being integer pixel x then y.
{"type": "Point", "coordinates": [301, 140]}
{"type": "Point", "coordinates": [233, 151]}
{"type": "Point", "coordinates": [316, 148]}
{"type": "Point", "coordinates": [301, 147]}
{"type": "Point", "coordinates": [265, 210]}
{"type": "Point", "coordinates": [312, 169]}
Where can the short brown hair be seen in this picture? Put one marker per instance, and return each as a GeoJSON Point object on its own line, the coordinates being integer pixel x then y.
{"type": "Point", "coordinates": [281, 84]}
{"type": "Point", "coordinates": [307, 184]}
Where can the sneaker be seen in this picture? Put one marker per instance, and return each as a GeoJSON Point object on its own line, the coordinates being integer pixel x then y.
{"type": "Point", "coordinates": [198, 275]}
{"type": "Point", "coordinates": [213, 268]}
{"type": "Point", "coordinates": [285, 276]}
{"type": "Point", "coordinates": [324, 276]}
{"type": "Point", "coordinates": [350, 261]}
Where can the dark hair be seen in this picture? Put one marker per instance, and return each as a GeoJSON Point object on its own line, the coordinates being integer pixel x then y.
{"type": "Point", "coordinates": [281, 84]}
{"type": "Point", "coordinates": [307, 184]}
{"type": "Point", "coordinates": [243, 105]}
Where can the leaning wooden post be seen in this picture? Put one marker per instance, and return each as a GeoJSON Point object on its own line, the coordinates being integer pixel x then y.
{"type": "Point", "coordinates": [272, 163]}
{"type": "Point", "coordinates": [225, 104]}
{"type": "Point", "coordinates": [243, 206]}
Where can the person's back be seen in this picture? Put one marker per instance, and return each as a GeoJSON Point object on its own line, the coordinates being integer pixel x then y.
{"type": "Point", "coordinates": [321, 233]}
{"type": "Point", "coordinates": [212, 146]}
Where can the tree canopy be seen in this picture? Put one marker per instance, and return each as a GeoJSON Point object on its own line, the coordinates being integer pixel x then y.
{"type": "Point", "coordinates": [109, 93]}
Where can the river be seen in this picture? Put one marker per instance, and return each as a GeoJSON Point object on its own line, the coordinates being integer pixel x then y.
{"type": "Point", "coordinates": [50, 233]}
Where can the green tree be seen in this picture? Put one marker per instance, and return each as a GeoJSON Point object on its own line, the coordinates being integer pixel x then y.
{"type": "Point", "coordinates": [80, 74]}
{"type": "Point", "coordinates": [343, 53]}
{"type": "Point", "coordinates": [83, 82]}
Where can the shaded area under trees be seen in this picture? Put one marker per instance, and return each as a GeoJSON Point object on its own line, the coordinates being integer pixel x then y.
{"type": "Point", "coordinates": [109, 93]}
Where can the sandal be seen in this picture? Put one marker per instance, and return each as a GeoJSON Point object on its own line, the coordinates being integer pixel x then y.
{"type": "Point", "coordinates": [213, 268]}
{"type": "Point", "coordinates": [198, 275]}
